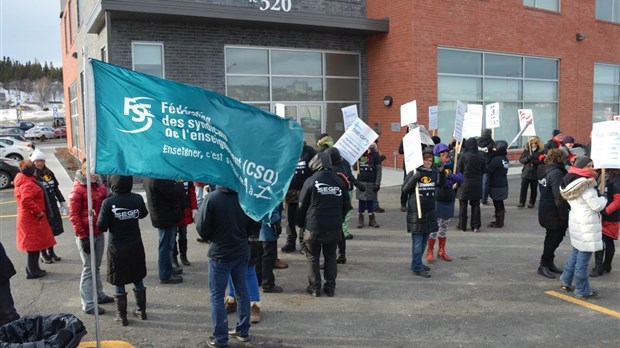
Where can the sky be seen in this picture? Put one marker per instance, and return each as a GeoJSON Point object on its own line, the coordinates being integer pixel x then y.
{"type": "Point", "coordinates": [30, 29]}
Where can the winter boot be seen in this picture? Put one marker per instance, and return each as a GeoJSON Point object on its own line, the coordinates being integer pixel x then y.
{"type": "Point", "coordinates": [371, 221]}
{"type": "Point", "coordinates": [429, 250]}
{"type": "Point", "coordinates": [499, 220]}
{"type": "Point", "coordinates": [360, 222]}
{"type": "Point", "coordinates": [45, 258]}
{"type": "Point", "coordinates": [255, 312]}
{"type": "Point", "coordinates": [121, 308]}
{"type": "Point", "coordinates": [183, 252]}
{"type": "Point", "coordinates": [53, 255]}
{"type": "Point", "coordinates": [442, 250]}
{"type": "Point", "coordinates": [598, 264]}
{"type": "Point", "coordinates": [140, 295]}
{"type": "Point", "coordinates": [175, 260]}
{"type": "Point", "coordinates": [609, 256]}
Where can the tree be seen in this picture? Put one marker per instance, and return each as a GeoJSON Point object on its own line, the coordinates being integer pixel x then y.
{"type": "Point", "coordinates": [43, 90]}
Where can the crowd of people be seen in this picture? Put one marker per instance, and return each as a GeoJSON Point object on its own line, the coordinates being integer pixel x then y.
{"type": "Point", "coordinates": [243, 253]}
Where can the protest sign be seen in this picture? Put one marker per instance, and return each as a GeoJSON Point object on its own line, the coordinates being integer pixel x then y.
{"type": "Point", "coordinates": [280, 110]}
{"type": "Point", "coordinates": [605, 151]}
{"type": "Point", "coordinates": [526, 122]}
{"type": "Point", "coordinates": [432, 118]}
{"type": "Point", "coordinates": [408, 113]}
{"type": "Point", "coordinates": [412, 150]}
{"type": "Point", "coordinates": [492, 116]}
{"type": "Point", "coordinates": [349, 114]}
{"type": "Point", "coordinates": [355, 141]}
{"type": "Point", "coordinates": [472, 121]}
{"type": "Point", "coordinates": [461, 109]}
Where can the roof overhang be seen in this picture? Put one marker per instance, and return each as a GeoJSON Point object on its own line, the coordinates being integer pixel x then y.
{"type": "Point", "coordinates": [195, 12]}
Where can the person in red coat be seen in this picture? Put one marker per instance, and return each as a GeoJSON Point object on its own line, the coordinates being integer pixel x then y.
{"type": "Point", "coordinates": [611, 224]}
{"type": "Point", "coordinates": [33, 230]}
{"type": "Point", "coordinates": [78, 214]}
{"type": "Point", "coordinates": [190, 208]}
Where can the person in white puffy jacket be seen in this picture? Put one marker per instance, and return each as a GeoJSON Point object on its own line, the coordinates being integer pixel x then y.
{"type": "Point", "coordinates": [584, 225]}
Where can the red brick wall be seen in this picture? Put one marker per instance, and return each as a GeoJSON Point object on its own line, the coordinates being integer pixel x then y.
{"type": "Point", "coordinates": [403, 62]}
{"type": "Point", "coordinates": [69, 66]}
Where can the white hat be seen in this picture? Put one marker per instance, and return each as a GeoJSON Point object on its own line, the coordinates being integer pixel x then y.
{"type": "Point", "coordinates": [37, 155]}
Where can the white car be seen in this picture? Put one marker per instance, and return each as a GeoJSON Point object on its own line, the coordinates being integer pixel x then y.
{"type": "Point", "coordinates": [15, 152]}
{"type": "Point", "coordinates": [41, 133]}
{"type": "Point", "coordinates": [13, 141]}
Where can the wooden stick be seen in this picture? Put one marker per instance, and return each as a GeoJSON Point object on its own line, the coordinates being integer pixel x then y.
{"type": "Point", "coordinates": [417, 201]}
{"type": "Point", "coordinates": [457, 149]}
{"type": "Point", "coordinates": [601, 185]}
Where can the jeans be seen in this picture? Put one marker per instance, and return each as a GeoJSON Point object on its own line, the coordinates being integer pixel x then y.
{"type": "Point", "coordinates": [418, 244]}
{"type": "Point", "coordinates": [577, 266]}
{"type": "Point", "coordinates": [251, 282]}
{"type": "Point", "coordinates": [120, 289]}
{"type": "Point", "coordinates": [167, 238]}
{"type": "Point", "coordinates": [485, 188]}
{"type": "Point", "coordinates": [86, 279]}
{"type": "Point", "coordinates": [314, 268]}
{"type": "Point", "coordinates": [219, 272]}
{"type": "Point", "coordinates": [553, 238]}
{"type": "Point", "coordinates": [199, 195]}
{"type": "Point", "coordinates": [533, 186]}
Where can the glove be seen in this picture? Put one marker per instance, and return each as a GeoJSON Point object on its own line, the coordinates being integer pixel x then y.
{"type": "Point", "coordinates": [85, 245]}
{"type": "Point", "coordinates": [417, 176]}
{"type": "Point", "coordinates": [277, 228]}
{"type": "Point", "coordinates": [194, 213]}
{"type": "Point", "coordinates": [376, 188]}
{"type": "Point", "coordinates": [604, 215]}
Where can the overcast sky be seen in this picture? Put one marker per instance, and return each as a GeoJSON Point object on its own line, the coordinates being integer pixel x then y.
{"type": "Point", "coordinates": [30, 29]}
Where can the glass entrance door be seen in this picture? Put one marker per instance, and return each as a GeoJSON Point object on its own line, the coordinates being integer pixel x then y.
{"type": "Point", "coordinates": [310, 117]}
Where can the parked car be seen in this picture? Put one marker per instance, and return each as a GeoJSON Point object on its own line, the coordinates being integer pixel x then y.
{"type": "Point", "coordinates": [25, 125]}
{"type": "Point", "coordinates": [8, 171]}
{"type": "Point", "coordinates": [41, 133]}
{"type": "Point", "coordinates": [11, 131]}
{"type": "Point", "coordinates": [18, 142]}
{"type": "Point", "coordinates": [15, 152]}
{"type": "Point", "coordinates": [60, 132]}
{"type": "Point", "coordinates": [17, 137]}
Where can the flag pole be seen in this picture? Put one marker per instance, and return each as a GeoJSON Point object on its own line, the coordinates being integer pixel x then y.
{"type": "Point", "coordinates": [89, 191]}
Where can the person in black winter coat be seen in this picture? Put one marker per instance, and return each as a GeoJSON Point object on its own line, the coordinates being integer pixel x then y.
{"type": "Point", "coordinates": [552, 209]}
{"type": "Point", "coordinates": [7, 306]}
{"type": "Point", "coordinates": [302, 172]}
{"type": "Point", "coordinates": [120, 214]}
{"type": "Point", "coordinates": [426, 177]}
{"type": "Point", "coordinates": [486, 144]}
{"type": "Point", "coordinates": [530, 158]}
{"type": "Point", "coordinates": [165, 203]}
{"type": "Point", "coordinates": [472, 165]}
{"type": "Point", "coordinates": [323, 203]}
{"type": "Point", "coordinates": [497, 169]}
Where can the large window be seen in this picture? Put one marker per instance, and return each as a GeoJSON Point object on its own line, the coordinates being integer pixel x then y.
{"type": "Point", "coordinates": [517, 82]}
{"type": "Point", "coordinates": [606, 101]}
{"type": "Point", "coordinates": [148, 58]}
{"type": "Point", "coordinates": [608, 10]}
{"type": "Point", "coordinates": [307, 82]}
{"type": "Point", "coordinates": [551, 5]}
{"type": "Point", "coordinates": [73, 111]}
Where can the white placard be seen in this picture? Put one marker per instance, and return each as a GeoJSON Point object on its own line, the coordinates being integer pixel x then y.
{"type": "Point", "coordinates": [413, 150]}
{"type": "Point", "coordinates": [433, 117]}
{"type": "Point", "coordinates": [408, 113]}
{"type": "Point", "coordinates": [606, 144]}
{"type": "Point", "coordinates": [280, 110]}
{"type": "Point", "coordinates": [472, 121]}
{"type": "Point", "coordinates": [526, 122]}
{"type": "Point", "coordinates": [355, 141]}
{"type": "Point", "coordinates": [349, 114]}
{"type": "Point", "coordinates": [425, 136]}
{"type": "Point", "coordinates": [492, 116]}
{"type": "Point", "coordinates": [461, 109]}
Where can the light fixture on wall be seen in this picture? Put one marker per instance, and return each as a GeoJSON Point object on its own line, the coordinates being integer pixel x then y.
{"type": "Point", "coordinates": [74, 55]}
{"type": "Point", "coordinates": [580, 36]}
{"type": "Point", "coordinates": [387, 100]}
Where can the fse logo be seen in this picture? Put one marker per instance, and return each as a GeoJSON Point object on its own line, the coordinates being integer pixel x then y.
{"type": "Point", "coordinates": [140, 113]}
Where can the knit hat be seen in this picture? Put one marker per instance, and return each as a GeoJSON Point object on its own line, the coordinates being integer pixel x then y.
{"type": "Point", "coordinates": [569, 140]}
{"type": "Point", "coordinates": [582, 161]}
{"type": "Point", "coordinates": [556, 132]}
{"type": "Point", "coordinates": [37, 155]}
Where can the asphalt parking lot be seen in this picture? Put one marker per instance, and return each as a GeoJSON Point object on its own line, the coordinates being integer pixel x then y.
{"type": "Point", "coordinates": [489, 295]}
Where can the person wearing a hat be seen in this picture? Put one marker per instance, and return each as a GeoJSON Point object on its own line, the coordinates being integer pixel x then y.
{"type": "Point", "coordinates": [530, 158]}
{"type": "Point", "coordinates": [611, 224]}
{"type": "Point", "coordinates": [497, 168]}
{"type": "Point", "coordinates": [579, 188]}
{"type": "Point", "coordinates": [48, 181]}
{"type": "Point", "coordinates": [472, 165]}
{"type": "Point", "coordinates": [555, 142]}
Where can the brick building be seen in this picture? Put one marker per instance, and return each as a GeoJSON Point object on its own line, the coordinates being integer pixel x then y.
{"type": "Point", "coordinates": [559, 58]}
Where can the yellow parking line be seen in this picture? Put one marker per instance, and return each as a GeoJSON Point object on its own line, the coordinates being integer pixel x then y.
{"type": "Point", "coordinates": [7, 202]}
{"type": "Point", "coordinates": [583, 303]}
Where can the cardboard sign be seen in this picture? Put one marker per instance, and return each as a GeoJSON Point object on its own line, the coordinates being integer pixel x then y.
{"type": "Point", "coordinates": [433, 117]}
{"type": "Point", "coordinates": [355, 141]}
{"type": "Point", "coordinates": [526, 122]}
{"type": "Point", "coordinates": [413, 150]}
{"type": "Point", "coordinates": [461, 109]}
{"type": "Point", "coordinates": [349, 114]}
{"type": "Point", "coordinates": [472, 121]}
{"type": "Point", "coordinates": [492, 116]}
{"type": "Point", "coordinates": [280, 110]}
{"type": "Point", "coordinates": [408, 113]}
{"type": "Point", "coordinates": [606, 144]}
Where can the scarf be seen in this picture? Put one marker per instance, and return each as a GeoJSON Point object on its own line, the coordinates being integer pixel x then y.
{"type": "Point", "coordinates": [586, 173]}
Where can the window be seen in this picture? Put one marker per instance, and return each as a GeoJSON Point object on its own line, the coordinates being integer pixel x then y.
{"type": "Point", "coordinates": [606, 94]}
{"type": "Point", "coordinates": [73, 111]}
{"type": "Point", "coordinates": [608, 10]}
{"type": "Point", "coordinates": [551, 5]}
{"type": "Point", "coordinates": [517, 82]}
{"type": "Point", "coordinates": [148, 58]}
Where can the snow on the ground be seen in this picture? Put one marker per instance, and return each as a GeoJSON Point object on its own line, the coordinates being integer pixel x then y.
{"type": "Point", "coordinates": [30, 111]}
